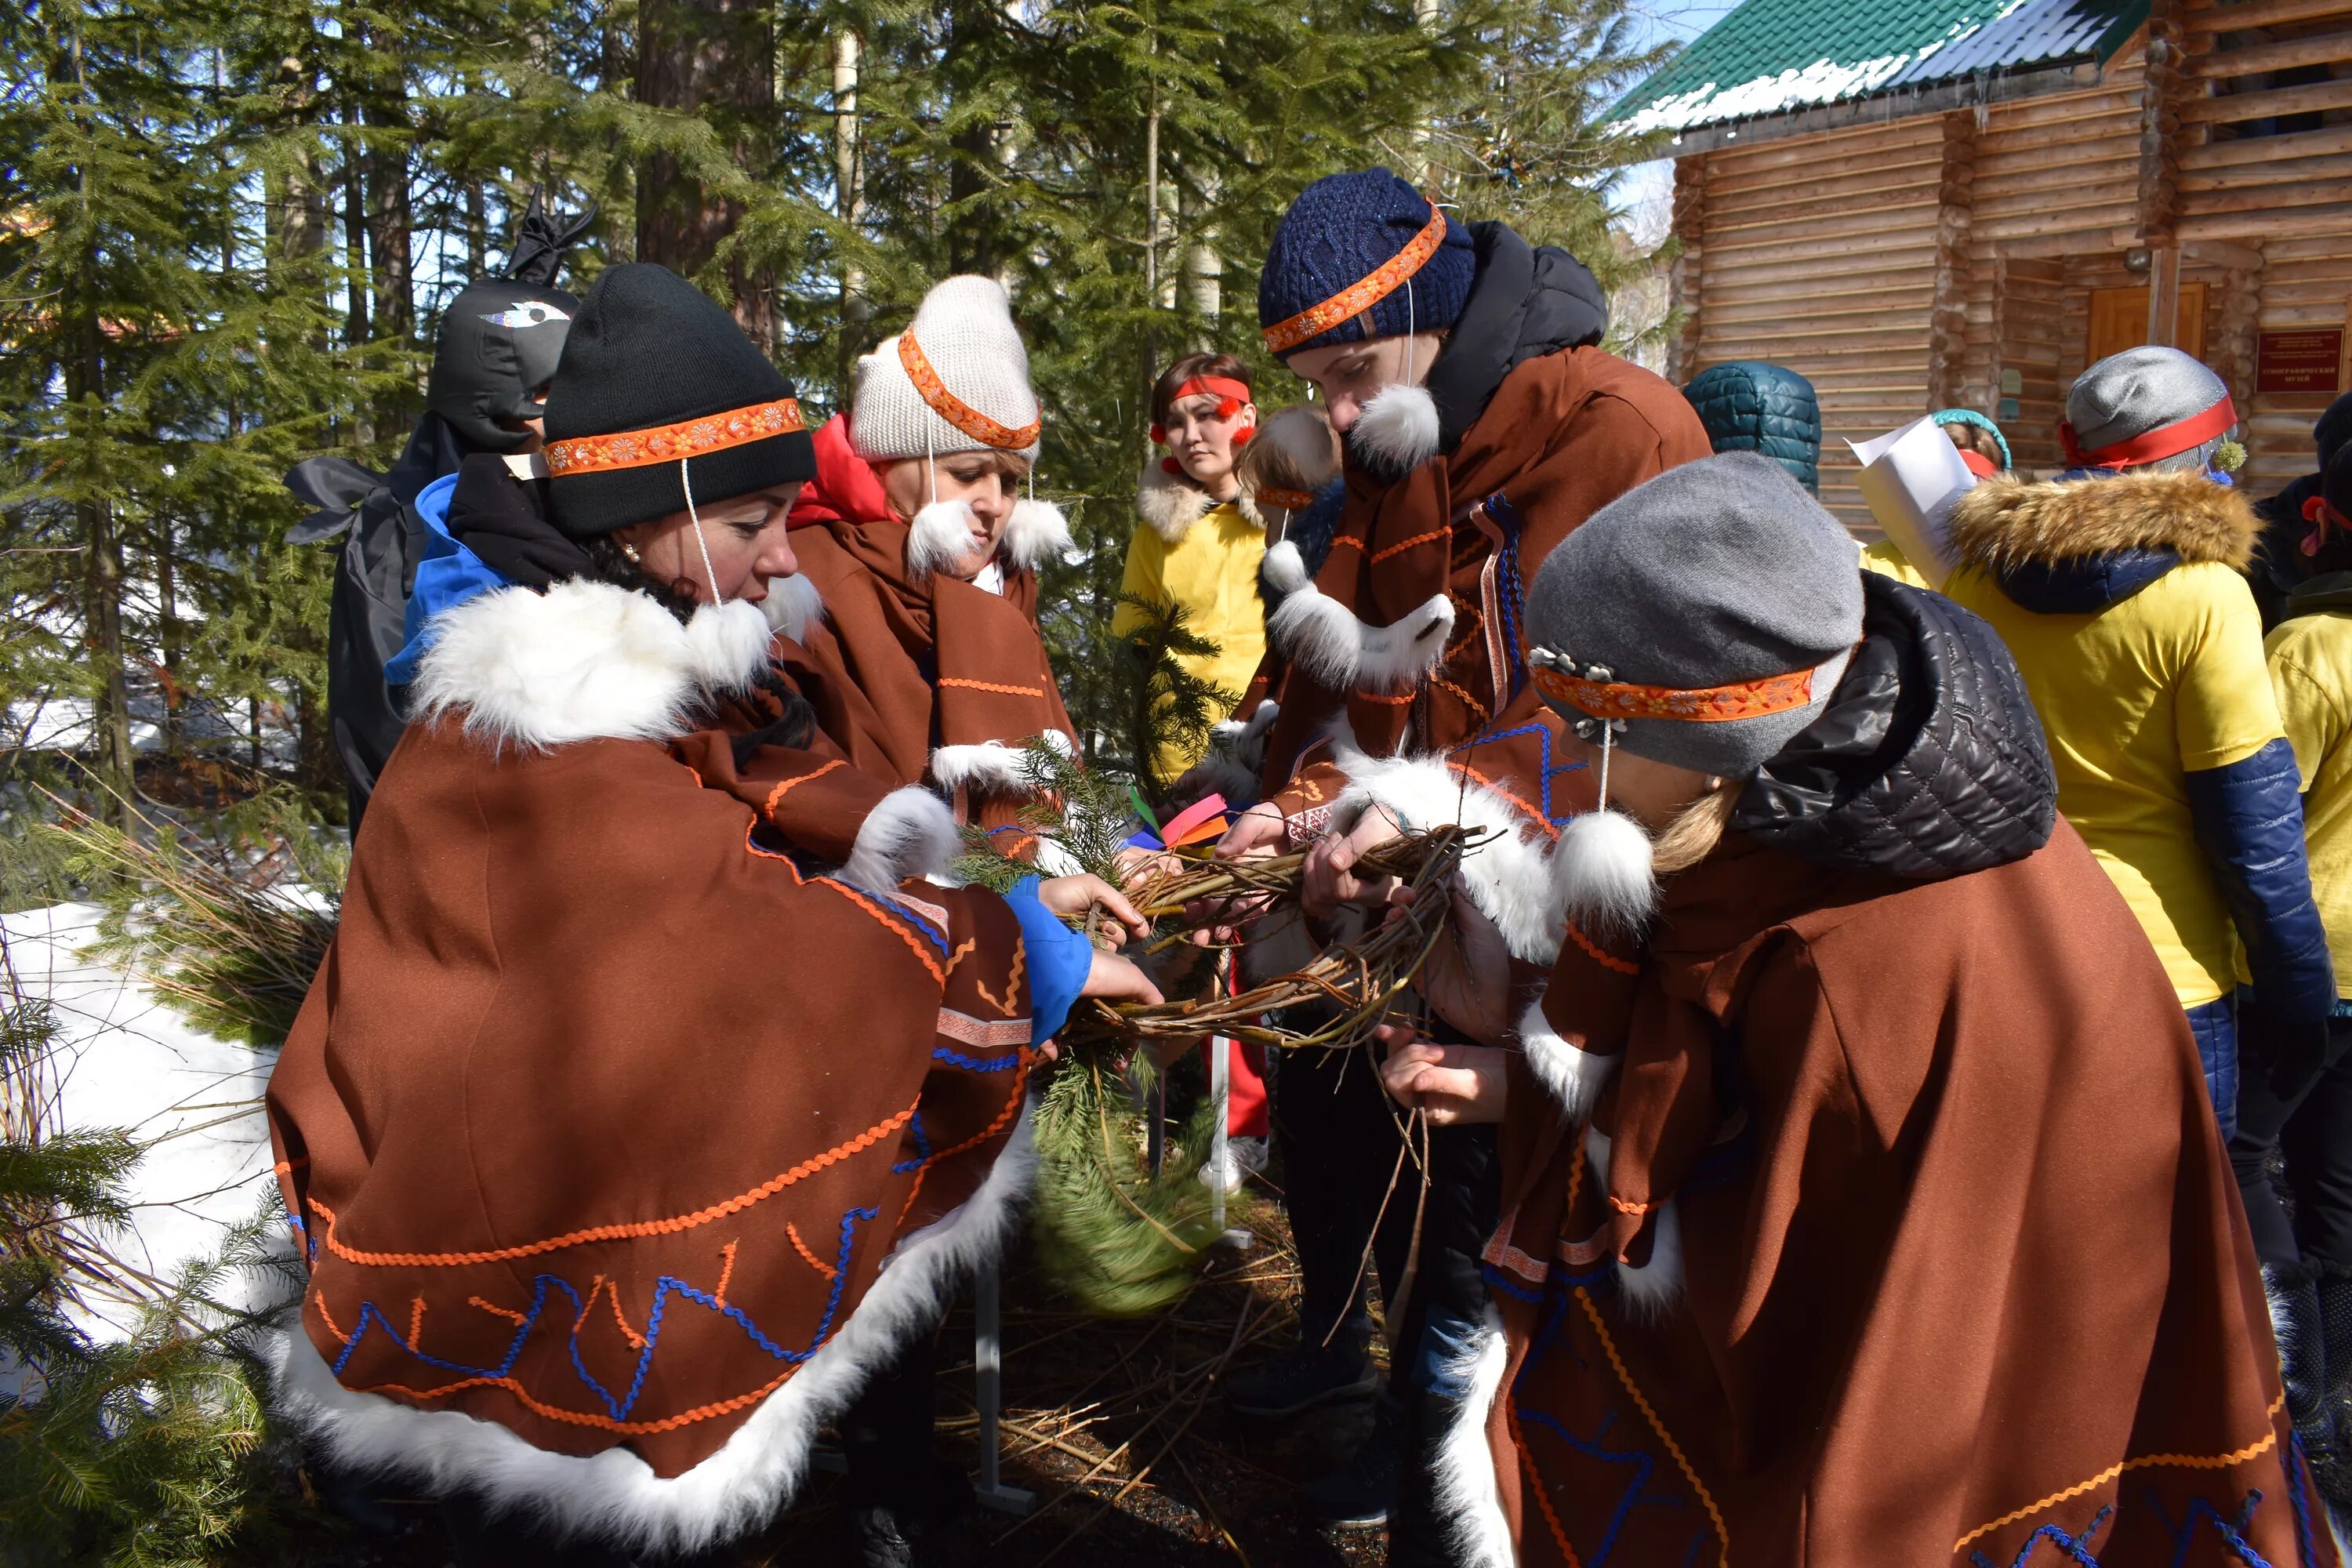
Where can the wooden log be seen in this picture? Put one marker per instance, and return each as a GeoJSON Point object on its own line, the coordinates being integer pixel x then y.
{"type": "Point", "coordinates": [2236, 106]}
{"type": "Point", "coordinates": [1830, 245]}
{"type": "Point", "coordinates": [2266, 175]}
{"type": "Point", "coordinates": [2035, 183]}
{"type": "Point", "coordinates": [2093, 219]}
{"type": "Point", "coordinates": [1865, 226]}
{"type": "Point", "coordinates": [2336, 219]}
{"type": "Point", "coordinates": [1779, 292]}
{"type": "Point", "coordinates": [1845, 146]}
{"type": "Point", "coordinates": [2245, 197]}
{"type": "Point", "coordinates": [2259, 14]}
{"type": "Point", "coordinates": [2326, 49]}
{"type": "Point", "coordinates": [1811, 194]}
{"type": "Point", "coordinates": [2056, 109]}
{"type": "Point", "coordinates": [1767, 314]}
{"type": "Point", "coordinates": [2243, 150]}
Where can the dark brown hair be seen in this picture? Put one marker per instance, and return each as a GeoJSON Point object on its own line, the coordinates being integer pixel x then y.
{"type": "Point", "coordinates": [1975, 438]}
{"type": "Point", "coordinates": [1163, 392]}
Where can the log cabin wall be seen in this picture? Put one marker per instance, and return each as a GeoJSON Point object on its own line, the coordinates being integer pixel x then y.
{"type": "Point", "coordinates": [1951, 258]}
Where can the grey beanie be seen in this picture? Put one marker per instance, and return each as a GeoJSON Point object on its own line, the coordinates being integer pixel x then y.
{"type": "Point", "coordinates": [2129, 393]}
{"type": "Point", "coordinates": [1718, 571]}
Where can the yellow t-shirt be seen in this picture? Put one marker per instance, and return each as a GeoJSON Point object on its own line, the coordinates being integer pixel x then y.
{"type": "Point", "coordinates": [2168, 681]}
{"type": "Point", "coordinates": [2311, 672]}
{"type": "Point", "coordinates": [1888, 561]}
{"type": "Point", "coordinates": [1212, 573]}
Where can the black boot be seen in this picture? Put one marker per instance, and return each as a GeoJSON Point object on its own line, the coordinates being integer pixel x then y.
{"type": "Point", "coordinates": [1355, 1495]}
{"type": "Point", "coordinates": [1304, 1376]}
{"type": "Point", "coordinates": [2294, 1321]}
{"type": "Point", "coordinates": [2334, 1288]}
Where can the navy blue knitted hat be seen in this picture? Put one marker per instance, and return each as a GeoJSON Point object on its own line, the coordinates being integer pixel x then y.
{"type": "Point", "coordinates": [1349, 236]}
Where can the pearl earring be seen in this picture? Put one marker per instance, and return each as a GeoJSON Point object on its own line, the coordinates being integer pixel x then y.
{"type": "Point", "coordinates": [630, 553]}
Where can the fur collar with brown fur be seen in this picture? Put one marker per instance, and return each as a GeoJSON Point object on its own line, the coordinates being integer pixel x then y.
{"type": "Point", "coordinates": [2007, 522]}
{"type": "Point", "coordinates": [1170, 502]}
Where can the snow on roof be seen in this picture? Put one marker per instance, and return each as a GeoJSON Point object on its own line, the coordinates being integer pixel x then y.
{"type": "Point", "coordinates": [1771, 56]}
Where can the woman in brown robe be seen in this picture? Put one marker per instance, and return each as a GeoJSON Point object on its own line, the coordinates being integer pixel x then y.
{"type": "Point", "coordinates": [648, 1103]}
{"type": "Point", "coordinates": [924, 662]}
{"type": "Point", "coordinates": [1860, 1204]}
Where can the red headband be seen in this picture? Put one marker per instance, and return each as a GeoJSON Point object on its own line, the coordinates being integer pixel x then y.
{"type": "Point", "coordinates": [1980, 465]}
{"type": "Point", "coordinates": [1362, 294]}
{"type": "Point", "coordinates": [2164, 441]}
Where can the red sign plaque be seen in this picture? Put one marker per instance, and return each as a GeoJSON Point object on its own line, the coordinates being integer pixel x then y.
{"type": "Point", "coordinates": [2310, 360]}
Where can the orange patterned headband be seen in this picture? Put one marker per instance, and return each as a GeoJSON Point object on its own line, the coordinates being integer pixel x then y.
{"type": "Point", "coordinates": [670, 443]}
{"type": "Point", "coordinates": [954, 409]}
{"type": "Point", "coordinates": [1288, 500]}
{"type": "Point", "coordinates": [1710, 705]}
{"type": "Point", "coordinates": [1362, 294]}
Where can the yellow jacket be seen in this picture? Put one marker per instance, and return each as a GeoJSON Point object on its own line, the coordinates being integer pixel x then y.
{"type": "Point", "coordinates": [1202, 556]}
{"type": "Point", "coordinates": [2311, 672]}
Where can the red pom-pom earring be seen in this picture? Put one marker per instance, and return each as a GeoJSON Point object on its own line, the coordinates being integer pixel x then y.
{"type": "Point", "coordinates": [1159, 435]}
{"type": "Point", "coordinates": [1242, 435]}
{"type": "Point", "coordinates": [1170, 466]}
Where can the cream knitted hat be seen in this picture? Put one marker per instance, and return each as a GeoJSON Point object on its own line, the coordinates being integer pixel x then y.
{"type": "Point", "coordinates": [957, 379]}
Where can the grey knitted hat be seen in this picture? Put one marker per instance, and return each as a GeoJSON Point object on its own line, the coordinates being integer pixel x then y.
{"type": "Point", "coordinates": [2128, 395]}
{"type": "Point", "coordinates": [1715, 573]}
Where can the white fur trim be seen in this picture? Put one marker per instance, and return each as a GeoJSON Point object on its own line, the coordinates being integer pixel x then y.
{"type": "Point", "coordinates": [1244, 742]}
{"type": "Point", "coordinates": [582, 661]}
{"type": "Point", "coordinates": [1397, 430]}
{"type": "Point", "coordinates": [1603, 872]}
{"type": "Point", "coordinates": [1340, 651]}
{"type": "Point", "coordinates": [910, 833]}
{"type": "Point", "coordinates": [1170, 503]}
{"type": "Point", "coordinates": [1469, 1500]}
{"type": "Point", "coordinates": [1655, 1288]}
{"type": "Point", "coordinates": [793, 606]}
{"type": "Point", "coordinates": [615, 1496]}
{"type": "Point", "coordinates": [1034, 535]}
{"type": "Point", "coordinates": [992, 766]}
{"type": "Point", "coordinates": [1508, 876]}
{"type": "Point", "coordinates": [1573, 1075]}
{"type": "Point", "coordinates": [940, 537]}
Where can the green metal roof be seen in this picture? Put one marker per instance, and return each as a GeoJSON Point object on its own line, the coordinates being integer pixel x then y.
{"type": "Point", "coordinates": [1771, 56]}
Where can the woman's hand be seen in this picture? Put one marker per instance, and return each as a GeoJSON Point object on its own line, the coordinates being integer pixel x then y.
{"type": "Point", "coordinates": [1467, 979]}
{"type": "Point", "coordinates": [1111, 978]}
{"type": "Point", "coordinates": [1331, 877]}
{"type": "Point", "coordinates": [1067, 896]}
{"type": "Point", "coordinates": [1452, 1084]}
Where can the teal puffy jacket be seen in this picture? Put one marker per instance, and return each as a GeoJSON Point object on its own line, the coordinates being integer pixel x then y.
{"type": "Point", "coordinates": [1750, 406]}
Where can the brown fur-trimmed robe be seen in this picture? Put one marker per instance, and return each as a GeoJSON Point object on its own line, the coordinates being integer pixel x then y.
{"type": "Point", "coordinates": [925, 679]}
{"type": "Point", "coordinates": [1903, 1235]}
{"type": "Point", "coordinates": [627, 1074]}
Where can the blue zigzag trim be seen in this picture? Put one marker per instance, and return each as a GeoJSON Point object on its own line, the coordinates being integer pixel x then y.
{"type": "Point", "coordinates": [976, 1064]}
{"type": "Point", "coordinates": [1499, 1281]}
{"type": "Point", "coordinates": [1635, 1493]}
{"type": "Point", "coordinates": [2231, 1530]}
{"type": "Point", "coordinates": [1545, 766]}
{"type": "Point", "coordinates": [664, 1287]}
{"type": "Point", "coordinates": [2077, 1547]}
{"type": "Point", "coordinates": [922, 1147]}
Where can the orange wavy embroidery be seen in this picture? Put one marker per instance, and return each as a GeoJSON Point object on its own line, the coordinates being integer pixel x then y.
{"type": "Point", "coordinates": [1401, 545]}
{"type": "Point", "coordinates": [415, 1321]}
{"type": "Point", "coordinates": [1536, 1486]}
{"type": "Point", "coordinates": [1606, 961]}
{"type": "Point", "coordinates": [1526, 808]}
{"type": "Point", "coordinates": [767, 1189]}
{"type": "Point", "coordinates": [1704, 705]}
{"type": "Point", "coordinates": [954, 409]}
{"type": "Point", "coordinates": [2185, 1461]}
{"type": "Point", "coordinates": [580, 1418]}
{"type": "Point", "coordinates": [792, 1234]}
{"type": "Point", "coordinates": [1641, 1403]}
{"type": "Point", "coordinates": [1365, 292]}
{"type": "Point", "coordinates": [1005, 1003]}
{"type": "Point", "coordinates": [778, 793]}
{"type": "Point", "coordinates": [509, 1313]}
{"type": "Point", "coordinates": [725, 1272]}
{"type": "Point", "coordinates": [914, 945]}
{"type": "Point", "coordinates": [990, 686]}
{"type": "Point", "coordinates": [670, 443]}
{"type": "Point", "coordinates": [1344, 541]}
{"type": "Point", "coordinates": [1385, 702]}
{"type": "Point", "coordinates": [962, 952]}
{"type": "Point", "coordinates": [1466, 701]}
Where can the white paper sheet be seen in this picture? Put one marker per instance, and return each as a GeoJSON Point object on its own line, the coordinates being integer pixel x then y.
{"type": "Point", "coordinates": [1911, 478]}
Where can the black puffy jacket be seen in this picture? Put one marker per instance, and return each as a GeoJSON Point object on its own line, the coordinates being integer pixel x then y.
{"type": "Point", "coordinates": [1928, 760]}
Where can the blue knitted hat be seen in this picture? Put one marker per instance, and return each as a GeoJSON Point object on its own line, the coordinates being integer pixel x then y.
{"type": "Point", "coordinates": [1340, 231]}
{"type": "Point", "coordinates": [1971, 416]}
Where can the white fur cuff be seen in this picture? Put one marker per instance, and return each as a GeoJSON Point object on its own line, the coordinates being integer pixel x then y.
{"type": "Point", "coordinates": [910, 833]}
{"type": "Point", "coordinates": [1656, 1286]}
{"type": "Point", "coordinates": [1508, 876]}
{"type": "Point", "coordinates": [794, 607]}
{"type": "Point", "coordinates": [1469, 1500]}
{"type": "Point", "coordinates": [1573, 1075]}
{"type": "Point", "coordinates": [1327, 640]}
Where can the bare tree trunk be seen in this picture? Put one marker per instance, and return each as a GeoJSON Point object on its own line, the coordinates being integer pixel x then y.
{"type": "Point", "coordinates": [692, 54]}
{"type": "Point", "coordinates": [1203, 270]}
{"type": "Point", "coordinates": [849, 199]}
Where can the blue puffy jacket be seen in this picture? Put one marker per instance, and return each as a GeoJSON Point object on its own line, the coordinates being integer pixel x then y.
{"type": "Point", "coordinates": [1750, 406]}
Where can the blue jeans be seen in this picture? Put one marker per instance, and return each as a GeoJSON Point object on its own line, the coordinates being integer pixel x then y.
{"type": "Point", "coordinates": [2215, 1024]}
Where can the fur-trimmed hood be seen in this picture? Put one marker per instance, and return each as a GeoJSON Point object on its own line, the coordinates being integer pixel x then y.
{"type": "Point", "coordinates": [583, 661]}
{"type": "Point", "coordinates": [1170, 502]}
{"type": "Point", "coordinates": [2005, 524]}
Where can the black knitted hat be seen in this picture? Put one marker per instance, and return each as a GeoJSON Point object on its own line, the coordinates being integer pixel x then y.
{"type": "Point", "coordinates": [658, 388]}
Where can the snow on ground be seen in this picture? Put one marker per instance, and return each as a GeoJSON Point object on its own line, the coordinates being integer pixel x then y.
{"type": "Point", "coordinates": [124, 1060]}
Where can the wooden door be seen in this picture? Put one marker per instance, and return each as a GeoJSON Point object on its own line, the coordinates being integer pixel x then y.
{"type": "Point", "coordinates": [2119, 321]}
